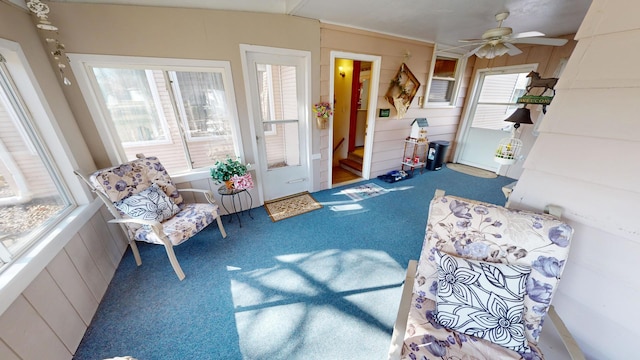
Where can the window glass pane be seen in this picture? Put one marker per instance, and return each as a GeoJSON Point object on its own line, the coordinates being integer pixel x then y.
{"type": "Point", "coordinates": [205, 116]}
{"type": "Point", "coordinates": [127, 95]}
{"type": "Point", "coordinates": [277, 85]}
{"type": "Point", "coordinates": [443, 80]}
{"type": "Point", "coordinates": [283, 148]}
{"type": "Point", "coordinates": [441, 90]}
{"type": "Point", "coordinates": [182, 117]}
{"type": "Point", "coordinates": [31, 198]}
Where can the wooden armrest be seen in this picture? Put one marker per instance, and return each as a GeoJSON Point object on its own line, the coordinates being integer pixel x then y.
{"type": "Point", "coordinates": [568, 340]}
{"type": "Point", "coordinates": [400, 326]}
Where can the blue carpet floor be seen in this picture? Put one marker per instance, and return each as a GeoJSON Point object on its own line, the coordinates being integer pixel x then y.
{"type": "Point", "coordinates": [321, 285]}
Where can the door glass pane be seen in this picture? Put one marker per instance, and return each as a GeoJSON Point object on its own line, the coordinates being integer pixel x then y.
{"type": "Point", "coordinates": [127, 95]}
{"type": "Point", "coordinates": [202, 104]}
{"type": "Point", "coordinates": [277, 91]}
{"type": "Point", "coordinates": [497, 100]}
{"type": "Point", "coordinates": [492, 116]}
{"type": "Point", "coordinates": [503, 88]}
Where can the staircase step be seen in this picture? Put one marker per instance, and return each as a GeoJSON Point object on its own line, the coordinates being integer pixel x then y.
{"type": "Point", "coordinates": [352, 166]}
{"type": "Point", "coordinates": [355, 157]}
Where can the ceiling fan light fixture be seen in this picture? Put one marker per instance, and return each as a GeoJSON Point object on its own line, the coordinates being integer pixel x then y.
{"type": "Point", "coordinates": [490, 51]}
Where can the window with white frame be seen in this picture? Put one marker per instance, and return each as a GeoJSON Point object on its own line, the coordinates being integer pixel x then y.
{"type": "Point", "coordinates": [33, 197]}
{"type": "Point", "coordinates": [182, 111]}
{"type": "Point", "coordinates": [447, 71]}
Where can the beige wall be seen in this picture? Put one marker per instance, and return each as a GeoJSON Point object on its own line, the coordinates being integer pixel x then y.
{"type": "Point", "coordinates": [389, 132]}
{"type": "Point", "coordinates": [586, 161]}
{"type": "Point", "coordinates": [180, 33]}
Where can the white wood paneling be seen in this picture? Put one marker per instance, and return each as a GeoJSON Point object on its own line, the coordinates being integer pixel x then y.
{"type": "Point", "coordinates": [87, 268]}
{"type": "Point", "coordinates": [580, 118]}
{"type": "Point", "coordinates": [50, 317]}
{"type": "Point", "coordinates": [73, 286]}
{"type": "Point", "coordinates": [109, 244]}
{"type": "Point", "coordinates": [117, 234]}
{"type": "Point", "coordinates": [22, 328]}
{"type": "Point", "coordinates": [583, 201]}
{"type": "Point", "coordinates": [55, 309]}
{"type": "Point", "coordinates": [603, 18]}
{"type": "Point", "coordinates": [601, 161]}
{"type": "Point", "coordinates": [6, 353]}
{"type": "Point", "coordinates": [586, 161]}
{"type": "Point", "coordinates": [96, 248]}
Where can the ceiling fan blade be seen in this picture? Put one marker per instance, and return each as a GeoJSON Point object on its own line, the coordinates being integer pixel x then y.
{"type": "Point", "coordinates": [470, 40]}
{"type": "Point", "coordinates": [449, 49]}
{"type": "Point", "coordinates": [513, 50]}
{"type": "Point", "coordinates": [540, 41]}
{"type": "Point", "coordinates": [526, 34]}
{"type": "Point", "coordinates": [471, 52]}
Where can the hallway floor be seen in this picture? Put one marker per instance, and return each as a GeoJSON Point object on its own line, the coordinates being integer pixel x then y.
{"type": "Point", "coordinates": [340, 175]}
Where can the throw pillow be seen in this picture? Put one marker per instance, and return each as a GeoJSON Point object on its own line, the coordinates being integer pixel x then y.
{"type": "Point", "coordinates": [149, 204]}
{"type": "Point", "coordinates": [482, 299]}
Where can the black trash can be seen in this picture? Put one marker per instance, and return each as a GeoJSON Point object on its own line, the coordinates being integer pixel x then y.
{"type": "Point", "coordinates": [435, 156]}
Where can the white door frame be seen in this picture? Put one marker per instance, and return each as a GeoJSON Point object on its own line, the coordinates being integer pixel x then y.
{"type": "Point", "coordinates": [376, 62]}
{"type": "Point", "coordinates": [475, 93]}
{"type": "Point", "coordinates": [306, 55]}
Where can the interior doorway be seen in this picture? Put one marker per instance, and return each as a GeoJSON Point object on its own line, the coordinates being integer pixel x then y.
{"type": "Point", "coordinates": [354, 82]}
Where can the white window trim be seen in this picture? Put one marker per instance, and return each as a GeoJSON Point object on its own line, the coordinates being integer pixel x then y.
{"type": "Point", "coordinates": [461, 65]}
{"type": "Point", "coordinates": [19, 275]}
{"type": "Point", "coordinates": [81, 65]}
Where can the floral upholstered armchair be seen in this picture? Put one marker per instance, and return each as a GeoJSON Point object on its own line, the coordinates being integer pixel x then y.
{"type": "Point", "coordinates": [143, 199]}
{"type": "Point", "coordinates": [483, 283]}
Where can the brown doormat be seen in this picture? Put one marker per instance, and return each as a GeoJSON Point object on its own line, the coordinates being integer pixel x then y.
{"type": "Point", "coordinates": [292, 205]}
{"type": "Point", "coordinates": [470, 170]}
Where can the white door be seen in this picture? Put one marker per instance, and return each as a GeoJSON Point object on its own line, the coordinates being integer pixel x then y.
{"type": "Point", "coordinates": [278, 88]}
{"type": "Point", "coordinates": [494, 100]}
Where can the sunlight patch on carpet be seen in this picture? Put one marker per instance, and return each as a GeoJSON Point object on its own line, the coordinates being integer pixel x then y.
{"type": "Point", "coordinates": [286, 207]}
{"type": "Point", "coordinates": [473, 171]}
{"type": "Point", "coordinates": [365, 191]}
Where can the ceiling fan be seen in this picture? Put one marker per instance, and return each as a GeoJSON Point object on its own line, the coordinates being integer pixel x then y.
{"type": "Point", "coordinates": [499, 41]}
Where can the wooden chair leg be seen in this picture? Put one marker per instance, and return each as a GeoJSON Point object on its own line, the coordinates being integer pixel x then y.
{"type": "Point", "coordinates": [222, 231]}
{"type": "Point", "coordinates": [174, 262]}
{"type": "Point", "coordinates": [136, 253]}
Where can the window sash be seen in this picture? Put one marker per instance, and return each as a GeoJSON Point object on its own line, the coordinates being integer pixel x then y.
{"type": "Point", "coordinates": [34, 198]}
{"type": "Point", "coordinates": [186, 152]}
{"type": "Point", "coordinates": [443, 90]}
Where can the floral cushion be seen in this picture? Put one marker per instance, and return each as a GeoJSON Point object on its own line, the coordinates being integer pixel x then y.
{"type": "Point", "coordinates": [130, 178]}
{"type": "Point", "coordinates": [482, 299]}
{"type": "Point", "coordinates": [486, 232]}
{"type": "Point", "coordinates": [425, 338]}
{"type": "Point", "coordinates": [191, 219]}
{"type": "Point", "coordinates": [149, 204]}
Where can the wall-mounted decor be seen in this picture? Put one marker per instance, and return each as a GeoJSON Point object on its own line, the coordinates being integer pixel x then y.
{"type": "Point", "coordinates": [323, 113]}
{"type": "Point", "coordinates": [402, 89]}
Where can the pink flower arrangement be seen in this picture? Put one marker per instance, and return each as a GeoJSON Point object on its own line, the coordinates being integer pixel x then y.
{"type": "Point", "coordinates": [242, 181]}
{"type": "Point", "coordinates": [322, 110]}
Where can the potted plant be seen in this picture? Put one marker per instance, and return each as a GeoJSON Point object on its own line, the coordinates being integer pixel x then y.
{"type": "Point", "coordinates": [231, 171]}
